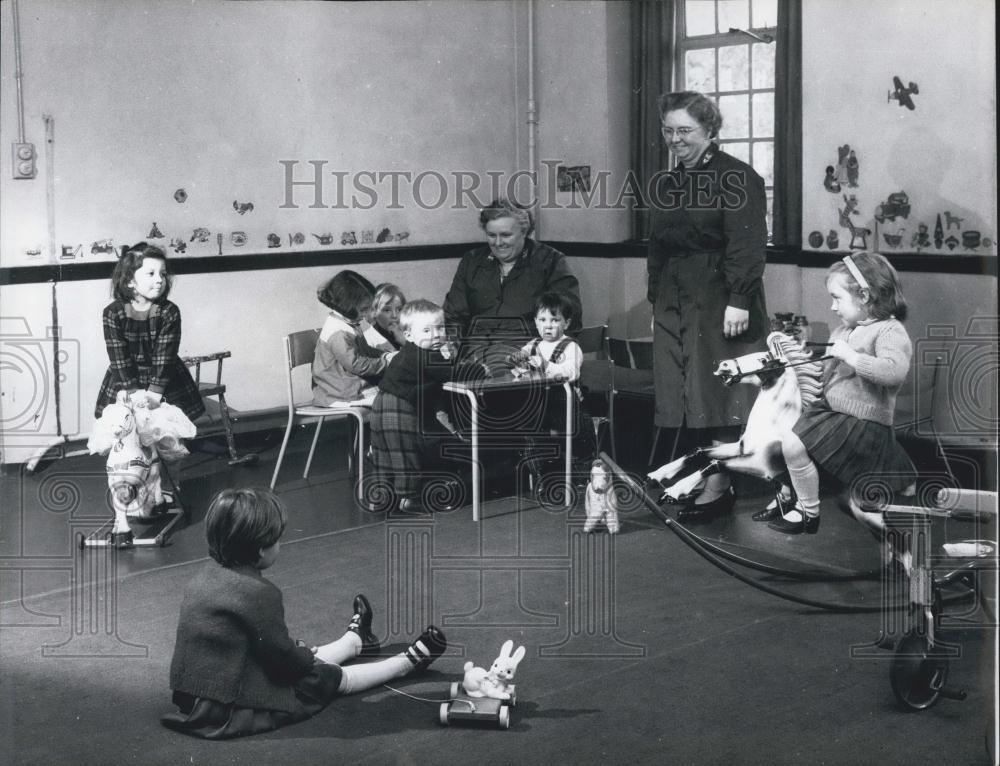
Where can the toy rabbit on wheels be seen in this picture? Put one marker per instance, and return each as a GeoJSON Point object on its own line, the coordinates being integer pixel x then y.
{"type": "Point", "coordinates": [137, 438]}
{"type": "Point", "coordinates": [485, 696]}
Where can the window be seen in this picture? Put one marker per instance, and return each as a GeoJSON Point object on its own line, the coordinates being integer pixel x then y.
{"type": "Point", "coordinates": [726, 49]}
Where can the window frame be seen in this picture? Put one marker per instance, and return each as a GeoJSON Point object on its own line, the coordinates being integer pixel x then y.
{"type": "Point", "coordinates": [714, 41]}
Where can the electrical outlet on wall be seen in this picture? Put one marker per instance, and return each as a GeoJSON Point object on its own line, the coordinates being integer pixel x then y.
{"type": "Point", "coordinates": [23, 160]}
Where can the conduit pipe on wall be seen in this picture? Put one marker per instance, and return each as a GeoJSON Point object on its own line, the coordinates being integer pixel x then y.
{"type": "Point", "coordinates": [532, 118]}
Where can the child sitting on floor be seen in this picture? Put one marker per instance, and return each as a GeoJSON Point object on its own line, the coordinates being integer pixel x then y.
{"type": "Point", "coordinates": [383, 331]}
{"type": "Point", "coordinates": [346, 368]}
{"type": "Point", "coordinates": [410, 401]}
{"type": "Point", "coordinates": [235, 670]}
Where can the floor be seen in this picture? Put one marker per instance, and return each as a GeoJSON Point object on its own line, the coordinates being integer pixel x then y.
{"type": "Point", "coordinates": [639, 649]}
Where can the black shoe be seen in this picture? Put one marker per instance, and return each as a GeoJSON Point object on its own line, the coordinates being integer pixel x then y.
{"type": "Point", "coordinates": [808, 524]}
{"type": "Point", "coordinates": [434, 644]}
{"type": "Point", "coordinates": [411, 505]}
{"type": "Point", "coordinates": [775, 509]}
{"type": "Point", "coordinates": [722, 505]}
{"type": "Point", "coordinates": [361, 624]}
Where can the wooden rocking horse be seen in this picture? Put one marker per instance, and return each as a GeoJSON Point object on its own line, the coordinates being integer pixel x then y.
{"type": "Point", "coordinates": [790, 380]}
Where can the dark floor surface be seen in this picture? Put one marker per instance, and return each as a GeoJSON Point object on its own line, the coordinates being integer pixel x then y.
{"type": "Point", "coordinates": [638, 649]}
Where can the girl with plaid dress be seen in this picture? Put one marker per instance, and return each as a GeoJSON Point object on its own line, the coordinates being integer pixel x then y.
{"type": "Point", "coordinates": [142, 332]}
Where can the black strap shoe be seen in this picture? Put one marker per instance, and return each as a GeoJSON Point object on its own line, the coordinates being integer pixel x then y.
{"type": "Point", "coordinates": [807, 524]}
{"type": "Point", "coordinates": [428, 647]}
{"type": "Point", "coordinates": [361, 624]}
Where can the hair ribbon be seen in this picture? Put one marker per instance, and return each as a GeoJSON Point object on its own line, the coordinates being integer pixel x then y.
{"type": "Point", "coordinates": [856, 273]}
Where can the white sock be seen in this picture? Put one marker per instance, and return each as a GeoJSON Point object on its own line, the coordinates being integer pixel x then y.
{"type": "Point", "coordinates": [345, 648]}
{"type": "Point", "coordinates": [805, 479]}
{"type": "Point", "coordinates": [368, 675]}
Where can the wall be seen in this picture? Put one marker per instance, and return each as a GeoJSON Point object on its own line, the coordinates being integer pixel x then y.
{"type": "Point", "coordinates": [210, 95]}
{"type": "Point", "coordinates": [941, 154]}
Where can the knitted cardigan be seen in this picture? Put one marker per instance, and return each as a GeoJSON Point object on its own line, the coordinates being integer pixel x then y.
{"type": "Point", "coordinates": [869, 390]}
{"type": "Point", "coordinates": [232, 643]}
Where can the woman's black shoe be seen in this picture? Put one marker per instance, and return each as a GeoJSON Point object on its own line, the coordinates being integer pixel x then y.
{"type": "Point", "coordinates": [808, 524]}
{"type": "Point", "coordinates": [361, 624]}
{"type": "Point", "coordinates": [722, 505]}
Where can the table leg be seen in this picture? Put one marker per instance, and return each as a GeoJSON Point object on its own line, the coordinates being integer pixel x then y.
{"type": "Point", "coordinates": [570, 397]}
{"type": "Point", "coordinates": [474, 410]}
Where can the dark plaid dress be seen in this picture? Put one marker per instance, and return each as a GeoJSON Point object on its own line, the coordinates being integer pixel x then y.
{"type": "Point", "coordinates": [142, 349]}
{"type": "Point", "coordinates": [403, 415]}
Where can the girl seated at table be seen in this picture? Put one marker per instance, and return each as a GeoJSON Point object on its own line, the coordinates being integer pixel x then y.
{"type": "Point", "coordinates": [346, 368]}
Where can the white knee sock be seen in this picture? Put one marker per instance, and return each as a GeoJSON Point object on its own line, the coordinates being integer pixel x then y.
{"type": "Point", "coordinates": [805, 480]}
{"type": "Point", "coordinates": [367, 675]}
{"type": "Point", "coordinates": [345, 648]}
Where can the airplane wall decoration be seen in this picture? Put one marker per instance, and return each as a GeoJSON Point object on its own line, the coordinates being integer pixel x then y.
{"type": "Point", "coordinates": [903, 94]}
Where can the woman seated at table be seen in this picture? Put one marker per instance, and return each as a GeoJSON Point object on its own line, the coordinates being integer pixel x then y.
{"type": "Point", "coordinates": [493, 294]}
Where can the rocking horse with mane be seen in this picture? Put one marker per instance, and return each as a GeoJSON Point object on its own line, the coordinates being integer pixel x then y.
{"type": "Point", "coordinates": [137, 441]}
{"type": "Point", "coordinates": [790, 379]}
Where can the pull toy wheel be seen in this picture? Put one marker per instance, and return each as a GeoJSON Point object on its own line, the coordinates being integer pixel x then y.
{"type": "Point", "coordinates": [918, 673]}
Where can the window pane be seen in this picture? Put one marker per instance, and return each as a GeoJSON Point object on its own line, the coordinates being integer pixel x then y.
{"type": "Point", "coordinates": [735, 116]}
{"type": "Point", "coordinates": [734, 63]}
{"type": "Point", "coordinates": [739, 150]}
{"type": "Point", "coordinates": [763, 161]}
{"type": "Point", "coordinates": [763, 115]}
{"type": "Point", "coordinates": [734, 13]}
{"type": "Point", "coordinates": [699, 17]}
{"type": "Point", "coordinates": [763, 65]}
{"type": "Point", "coordinates": [699, 70]}
{"type": "Point", "coordinates": [765, 13]}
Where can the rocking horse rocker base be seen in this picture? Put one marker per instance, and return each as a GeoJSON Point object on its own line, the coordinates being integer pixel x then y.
{"type": "Point", "coordinates": [144, 497]}
{"type": "Point", "coordinates": [152, 531]}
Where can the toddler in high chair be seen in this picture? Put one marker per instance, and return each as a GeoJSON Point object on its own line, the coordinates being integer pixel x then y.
{"type": "Point", "coordinates": [235, 670]}
{"type": "Point", "coordinates": [848, 432]}
{"type": "Point", "coordinates": [346, 368]}
{"type": "Point", "coordinates": [558, 357]}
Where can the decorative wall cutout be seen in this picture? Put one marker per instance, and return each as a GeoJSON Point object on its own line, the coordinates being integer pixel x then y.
{"type": "Point", "coordinates": [154, 232]}
{"type": "Point", "coordinates": [242, 207]}
{"type": "Point", "coordinates": [180, 196]}
{"type": "Point", "coordinates": [903, 94]}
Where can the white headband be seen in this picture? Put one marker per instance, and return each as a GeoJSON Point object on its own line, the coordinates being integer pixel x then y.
{"type": "Point", "coordinates": [856, 273]}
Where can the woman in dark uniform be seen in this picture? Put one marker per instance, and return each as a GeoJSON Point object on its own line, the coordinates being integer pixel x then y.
{"type": "Point", "coordinates": [705, 261]}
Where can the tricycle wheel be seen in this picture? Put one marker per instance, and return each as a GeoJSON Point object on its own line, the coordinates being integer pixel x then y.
{"type": "Point", "coordinates": [443, 713]}
{"type": "Point", "coordinates": [504, 717]}
{"type": "Point", "coordinates": [918, 673]}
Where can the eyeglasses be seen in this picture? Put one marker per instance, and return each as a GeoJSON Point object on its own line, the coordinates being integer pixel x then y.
{"type": "Point", "coordinates": [681, 132]}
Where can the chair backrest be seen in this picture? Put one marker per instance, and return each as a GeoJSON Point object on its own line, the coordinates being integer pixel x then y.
{"type": "Point", "coordinates": [618, 352]}
{"type": "Point", "coordinates": [300, 350]}
{"type": "Point", "coordinates": [916, 401]}
{"type": "Point", "coordinates": [300, 347]}
{"type": "Point", "coordinates": [642, 354]}
{"type": "Point", "coordinates": [591, 339]}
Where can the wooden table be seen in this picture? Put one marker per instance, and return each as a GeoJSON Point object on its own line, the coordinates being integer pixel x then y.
{"type": "Point", "coordinates": [507, 382]}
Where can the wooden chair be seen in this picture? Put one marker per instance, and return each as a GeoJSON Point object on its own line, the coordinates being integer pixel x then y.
{"type": "Point", "coordinates": [300, 348]}
{"type": "Point", "coordinates": [217, 389]}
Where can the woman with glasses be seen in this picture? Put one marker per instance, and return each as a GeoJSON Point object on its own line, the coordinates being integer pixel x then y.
{"type": "Point", "coordinates": [705, 261]}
